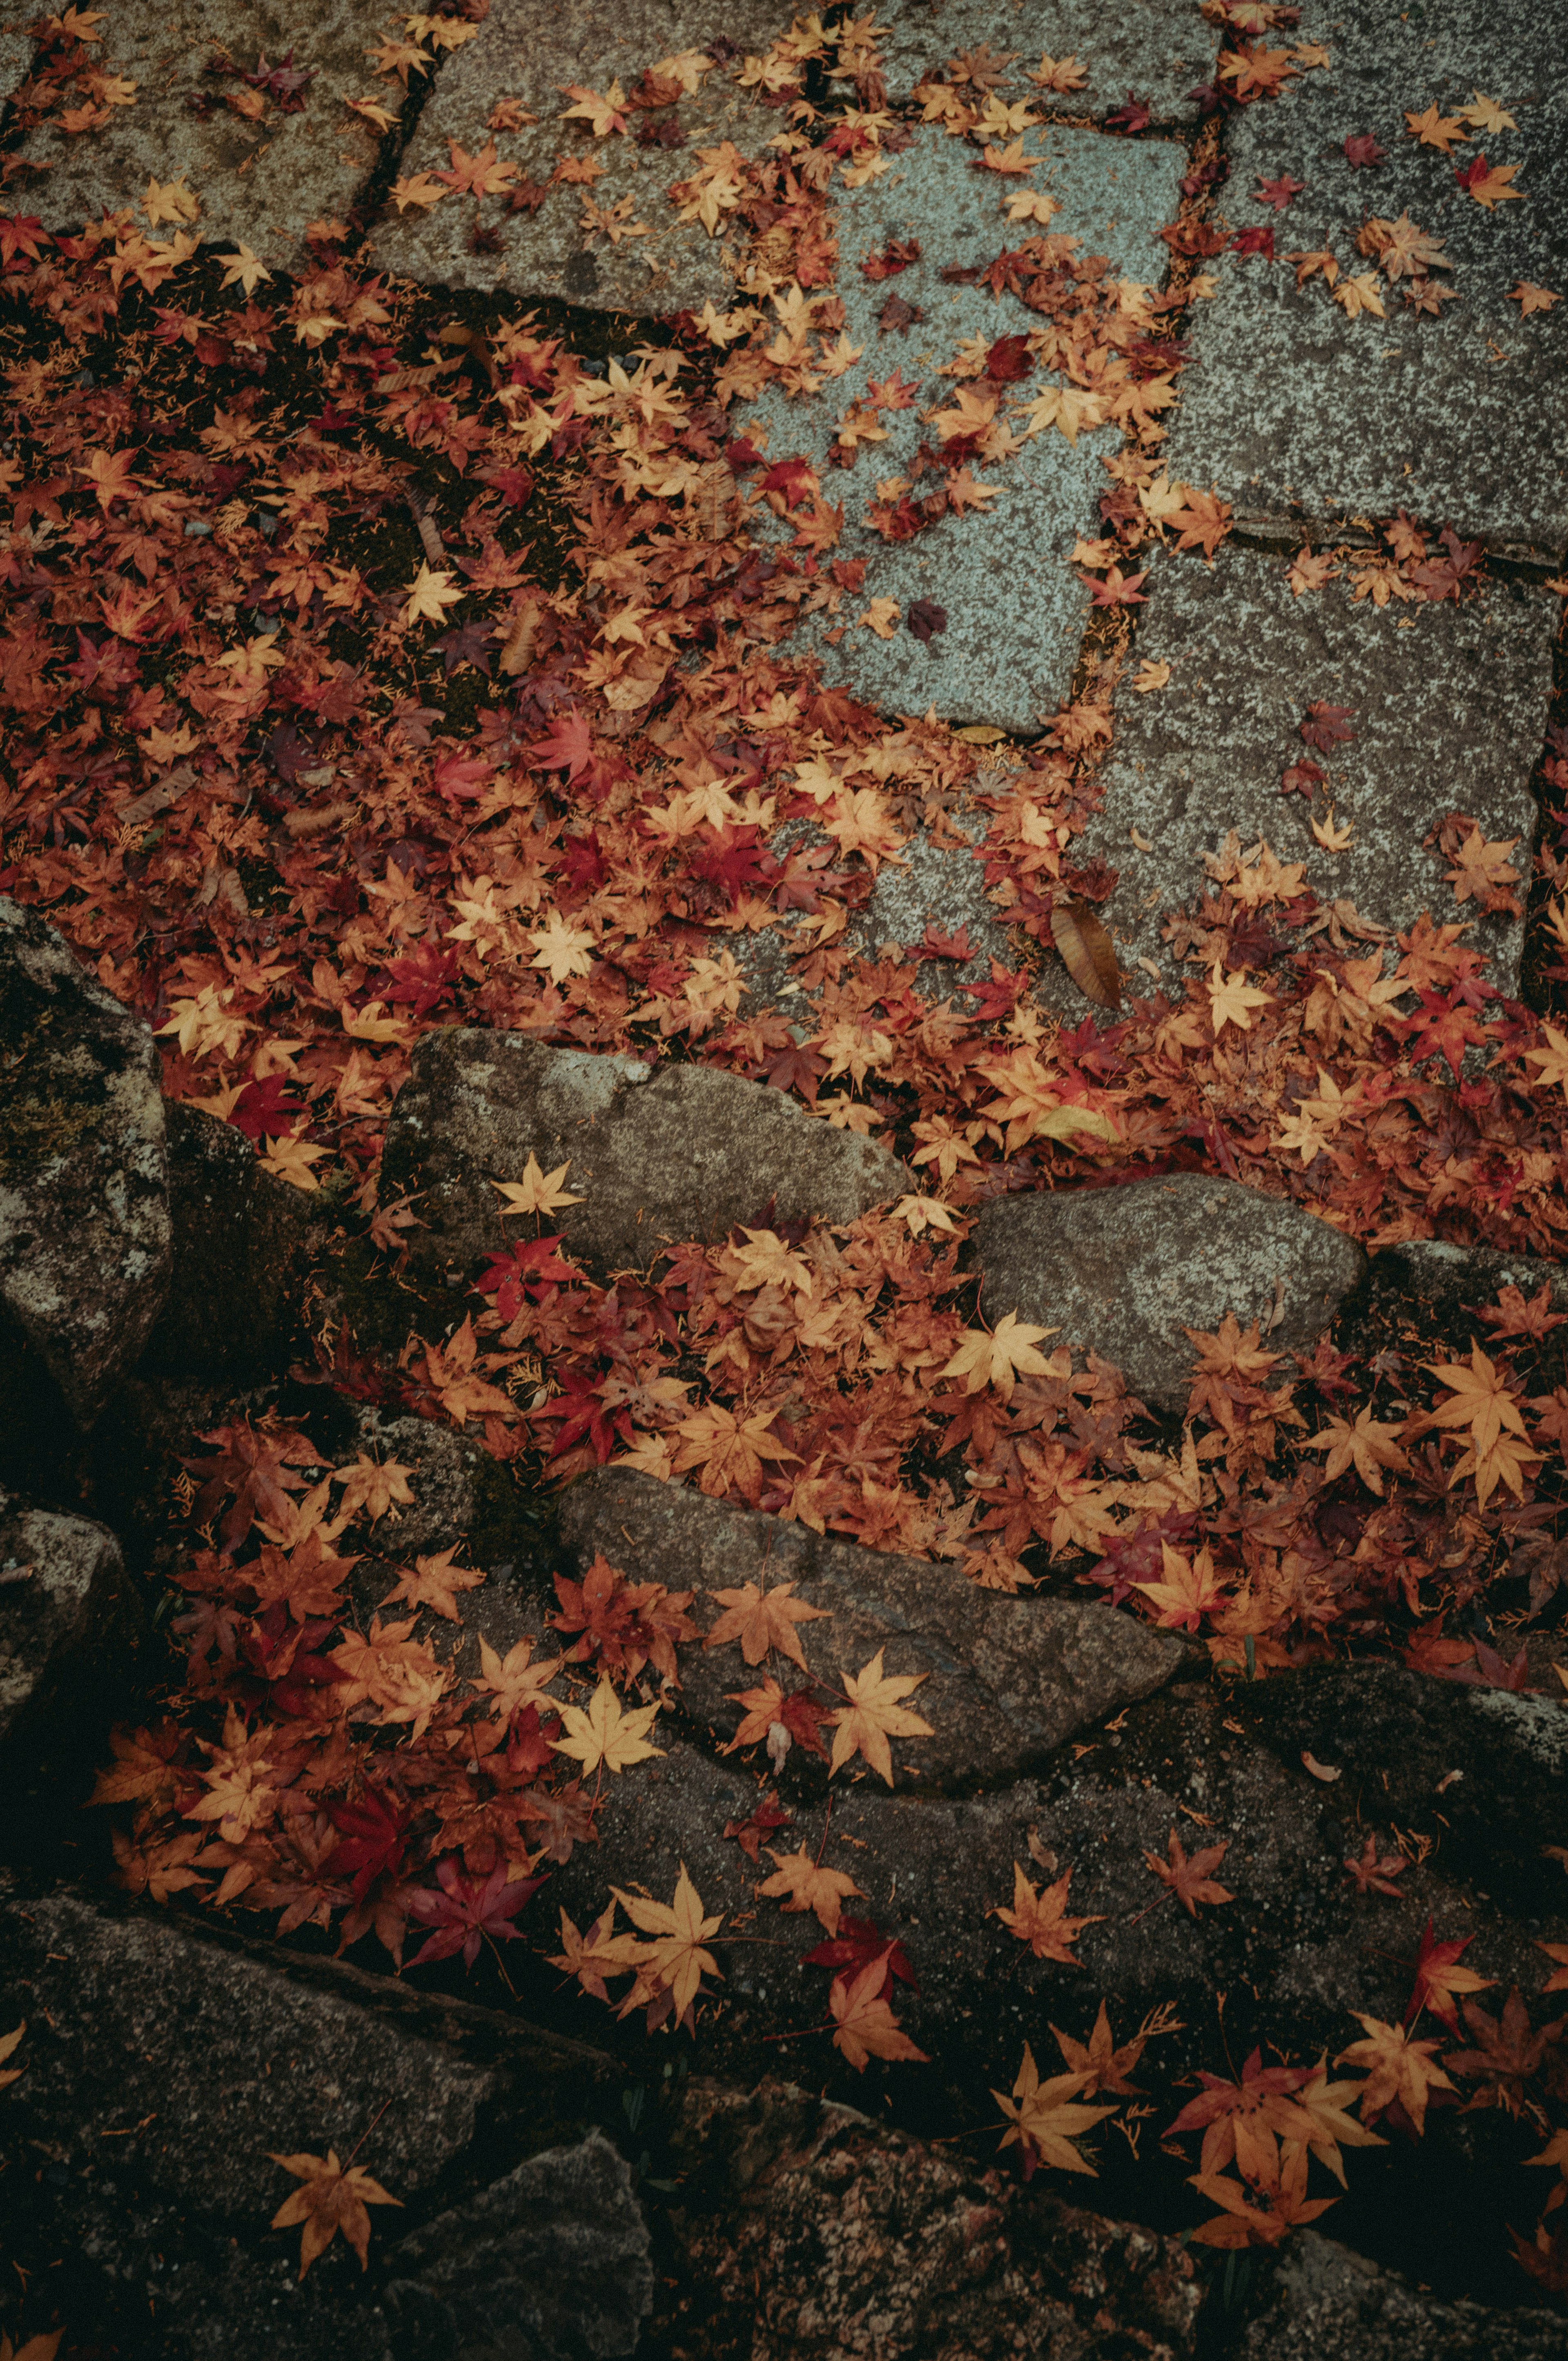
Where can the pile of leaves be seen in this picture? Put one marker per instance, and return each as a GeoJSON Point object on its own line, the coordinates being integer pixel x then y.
{"type": "Point", "coordinates": [371, 663]}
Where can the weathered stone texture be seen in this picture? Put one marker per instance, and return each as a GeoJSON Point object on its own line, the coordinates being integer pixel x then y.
{"type": "Point", "coordinates": [655, 1156]}
{"type": "Point", "coordinates": [1008, 1681]}
{"type": "Point", "coordinates": [1295, 409]}
{"type": "Point", "coordinates": [64, 1596]}
{"type": "Point", "coordinates": [84, 1231]}
{"type": "Point", "coordinates": [1328, 2304]}
{"type": "Point", "coordinates": [261, 180]}
{"type": "Point", "coordinates": [550, 2262]}
{"type": "Point", "coordinates": [529, 51]}
{"type": "Point", "coordinates": [1448, 703]}
{"type": "Point", "coordinates": [1155, 49]}
{"type": "Point", "coordinates": [1126, 1271]}
{"type": "Point", "coordinates": [1015, 610]}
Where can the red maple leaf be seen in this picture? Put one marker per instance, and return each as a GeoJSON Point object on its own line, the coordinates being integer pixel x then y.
{"type": "Point", "coordinates": [858, 1942]}
{"type": "Point", "coordinates": [566, 746]}
{"type": "Point", "coordinates": [1326, 726]}
{"type": "Point", "coordinates": [1277, 194]}
{"type": "Point", "coordinates": [1133, 115]}
{"type": "Point", "coordinates": [463, 1911]}
{"type": "Point", "coordinates": [1255, 241]}
{"type": "Point", "coordinates": [530, 1266]}
{"type": "Point", "coordinates": [375, 1831]}
{"type": "Point", "coordinates": [767, 1817]}
{"type": "Point", "coordinates": [1362, 152]}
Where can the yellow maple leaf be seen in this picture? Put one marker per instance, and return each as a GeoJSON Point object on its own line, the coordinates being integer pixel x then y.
{"type": "Point", "coordinates": [882, 617]}
{"type": "Point", "coordinates": [169, 201]}
{"type": "Point", "coordinates": [1396, 2068]}
{"type": "Point", "coordinates": [1189, 1591]}
{"type": "Point", "coordinates": [1044, 2119]}
{"type": "Point", "coordinates": [538, 1192]}
{"type": "Point", "coordinates": [675, 1957]}
{"type": "Point", "coordinates": [429, 595]}
{"type": "Point", "coordinates": [434, 1582]}
{"type": "Point", "coordinates": [873, 1715]}
{"type": "Point", "coordinates": [998, 1357]}
{"type": "Point", "coordinates": [810, 1885]}
{"type": "Point", "coordinates": [762, 1619]}
{"type": "Point", "coordinates": [1232, 1000]}
{"type": "Point", "coordinates": [606, 1734]}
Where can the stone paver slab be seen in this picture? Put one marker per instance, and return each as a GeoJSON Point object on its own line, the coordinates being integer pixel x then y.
{"type": "Point", "coordinates": [1448, 704]}
{"type": "Point", "coordinates": [1012, 1679]}
{"type": "Point", "coordinates": [1015, 610]}
{"type": "Point", "coordinates": [528, 50]}
{"type": "Point", "coordinates": [1157, 49]}
{"type": "Point", "coordinates": [1294, 408]}
{"type": "Point", "coordinates": [1128, 1272]}
{"type": "Point", "coordinates": [261, 180]}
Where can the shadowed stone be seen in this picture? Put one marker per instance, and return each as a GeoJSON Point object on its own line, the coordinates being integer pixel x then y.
{"type": "Point", "coordinates": [64, 1598]}
{"type": "Point", "coordinates": [550, 2262]}
{"type": "Point", "coordinates": [1126, 1271]}
{"type": "Point", "coordinates": [1009, 1679]}
{"type": "Point", "coordinates": [1157, 49]}
{"type": "Point", "coordinates": [1015, 610]}
{"type": "Point", "coordinates": [1448, 704]}
{"type": "Point", "coordinates": [84, 1230]}
{"type": "Point", "coordinates": [655, 1154]}
{"type": "Point", "coordinates": [530, 50]}
{"type": "Point", "coordinates": [261, 180]}
{"type": "Point", "coordinates": [1329, 2304]}
{"type": "Point", "coordinates": [1293, 408]}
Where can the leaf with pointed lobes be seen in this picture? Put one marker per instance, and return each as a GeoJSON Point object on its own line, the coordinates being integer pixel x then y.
{"type": "Point", "coordinates": [464, 1910]}
{"type": "Point", "coordinates": [856, 1944]}
{"type": "Point", "coordinates": [1044, 2120]}
{"type": "Point", "coordinates": [1190, 1880]}
{"type": "Point", "coordinates": [1040, 1919]}
{"type": "Point", "coordinates": [1087, 953]}
{"type": "Point", "coordinates": [762, 1619]}
{"type": "Point", "coordinates": [866, 2026]}
{"type": "Point", "coordinates": [331, 2197]}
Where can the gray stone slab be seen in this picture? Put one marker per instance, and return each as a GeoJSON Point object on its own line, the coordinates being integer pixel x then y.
{"type": "Point", "coordinates": [1158, 48]}
{"type": "Point", "coordinates": [15, 57]}
{"type": "Point", "coordinates": [1127, 1271]}
{"type": "Point", "coordinates": [528, 49]}
{"type": "Point", "coordinates": [656, 1153]}
{"type": "Point", "coordinates": [261, 180]}
{"type": "Point", "coordinates": [1015, 610]}
{"type": "Point", "coordinates": [1010, 1680]}
{"type": "Point", "coordinates": [1295, 408]}
{"type": "Point", "coordinates": [1448, 704]}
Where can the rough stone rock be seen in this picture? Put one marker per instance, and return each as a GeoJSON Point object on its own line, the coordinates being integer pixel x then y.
{"type": "Point", "coordinates": [160, 2066]}
{"type": "Point", "coordinates": [1448, 703]}
{"type": "Point", "coordinates": [1217, 1764]}
{"type": "Point", "coordinates": [1015, 610]}
{"type": "Point", "coordinates": [84, 1232]}
{"type": "Point", "coordinates": [550, 2262]}
{"type": "Point", "coordinates": [655, 1155]}
{"type": "Point", "coordinates": [240, 1247]}
{"type": "Point", "coordinates": [1155, 48]}
{"type": "Point", "coordinates": [1293, 408]}
{"type": "Point", "coordinates": [15, 58]}
{"type": "Point", "coordinates": [1443, 1286]}
{"type": "Point", "coordinates": [65, 1599]}
{"type": "Point", "coordinates": [804, 2223]}
{"type": "Point", "coordinates": [1009, 1680]}
{"type": "Point", "coordinates": [1127, 1271]}
{"type": "Point", "coordinates": [1329, 2304]}
{"type": "Point", "coordinates": [529, 50]}
{"type": "Point", "coordinates": [261, 180]}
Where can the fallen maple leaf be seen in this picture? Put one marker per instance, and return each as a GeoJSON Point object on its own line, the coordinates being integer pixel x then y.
{"type": "Point", "coordinates": [605, 1733]}
{"type": "Point", "coordinates": [1439, 1979]}
{"type": "Point", "coordinates": [865, 2025]}
{"type": "Point", "coordinates": [1039, 1919]}
{"type": "Point", "coordinates": [331, 2197]}
{"type": "Point", "coordinates": [998, 1357]}
{"type": "Point", "coordinates": [538, 1192]}
{"type": "Point", "coordinates": [464, 1910]}
{"type": "Point", "coordinates": [809, 1886]}
{"type": "Point", "coordinates": [676, 1956]}
{"type": "Point", "coordinates": [434, 1582]}
{"type": "Point", "coordinates": [1101, 2063]}
{"type": "Point", "coordinates": [762, 1620]}
{"type": "Point", "coordinates": [1190, 1590]}
{"type": "Point", "coordinates": [873, 1715]}
{"type": "Point", "coordinates": [1368, 1444]}
{"type": "Point", "coordinates": [1044, 2120]}
{"type": "Point", "coordinates": [1190, 1880]}
{"type": "Point", "coordinates": [1397, 2068]}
